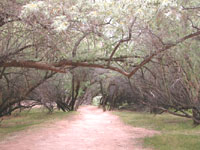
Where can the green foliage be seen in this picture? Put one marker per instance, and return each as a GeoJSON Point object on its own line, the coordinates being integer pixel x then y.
{"type": "Point", "coordinates": [96, 100]}
{"type": "Point", "coordinates": [108, 21]}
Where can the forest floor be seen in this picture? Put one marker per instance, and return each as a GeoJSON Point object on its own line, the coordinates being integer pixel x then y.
{"type": "Point", "coordinates": [91, 129]}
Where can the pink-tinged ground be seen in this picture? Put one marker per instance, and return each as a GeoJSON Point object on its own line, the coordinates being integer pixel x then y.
{"type": "Point", "coordinates": [92, 129]}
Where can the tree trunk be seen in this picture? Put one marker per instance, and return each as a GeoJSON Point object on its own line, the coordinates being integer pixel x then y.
{"type": "Point", "coordinates": [73, 97]}
{"type": "Point", "coordinates": [1, 99]}
{"type": "Point", "coordinates": [196, 117]}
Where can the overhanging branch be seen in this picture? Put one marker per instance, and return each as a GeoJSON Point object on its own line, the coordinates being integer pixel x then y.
{"type": "Point", "coordinates": [61, 66]}
{"type": "Point", "coordinates": [122, 41]}
{"type": "Point", "coordinates": [166, 47]}
{"type": "Point", "coordinates": [31, 64]}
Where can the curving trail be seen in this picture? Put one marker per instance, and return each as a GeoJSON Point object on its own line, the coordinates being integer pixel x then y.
{"type": "Point", "coordinates": [92, 129]}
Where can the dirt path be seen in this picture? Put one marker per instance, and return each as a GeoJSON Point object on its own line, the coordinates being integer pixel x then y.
{"type": "Point", "coordinates": [91, 130]}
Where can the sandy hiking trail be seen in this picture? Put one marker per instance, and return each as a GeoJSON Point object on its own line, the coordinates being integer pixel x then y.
{"type": "Point", "coordinates": [92, 129]}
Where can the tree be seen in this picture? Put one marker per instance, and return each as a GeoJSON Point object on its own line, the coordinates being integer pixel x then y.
{"type": "Point", "coordinates": [128, 37]}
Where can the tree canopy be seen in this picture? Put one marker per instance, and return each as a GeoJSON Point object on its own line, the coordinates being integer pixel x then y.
{"type": "Point", "coordinates": [100, 32]}
{"type": "Point", "coordinates": [154, 44]}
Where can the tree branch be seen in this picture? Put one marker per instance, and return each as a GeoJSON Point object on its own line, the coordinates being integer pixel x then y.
{"type": "Point", "coordinates": [166, 47]}
{"type": "Point", "coordinates": [122, 41]}
{"type": "Point", "coordinates": [84, 64]}
{"type": "Point", "coordinates": [31, 64]}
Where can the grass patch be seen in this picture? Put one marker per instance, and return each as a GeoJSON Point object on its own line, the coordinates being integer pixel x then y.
{"type": "Point", "coordinates": [27, 119]}
{"type": "Point", "coordinates": [174, 142]}
{"type": "Point", "coordinates": [176, 132]}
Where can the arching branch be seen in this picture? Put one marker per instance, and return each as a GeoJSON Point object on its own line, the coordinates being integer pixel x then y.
{"type": "Point", "coordinates": [166, 47]}
{"type": "Point", "coordinates": [122, 41]}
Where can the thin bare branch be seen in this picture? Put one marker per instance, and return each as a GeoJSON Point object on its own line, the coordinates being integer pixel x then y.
{"type": "Point", "coordinates": [166, 47]}
{"type": "Point", "coordinates": [122, 40]}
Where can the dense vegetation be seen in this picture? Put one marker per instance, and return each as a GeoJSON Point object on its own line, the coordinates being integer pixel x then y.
{"type": "Point", "coordinates": [144, 54]}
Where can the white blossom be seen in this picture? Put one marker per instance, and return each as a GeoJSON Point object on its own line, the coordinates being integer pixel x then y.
{"type": "Point", "coordinates": [60, 23]}
{"type": "Point", "coordinates": [171, 3]}
{"type": "Point", "coordinates": [34, 7]}
{"type": "Point", "coordinates": [169, 13]}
